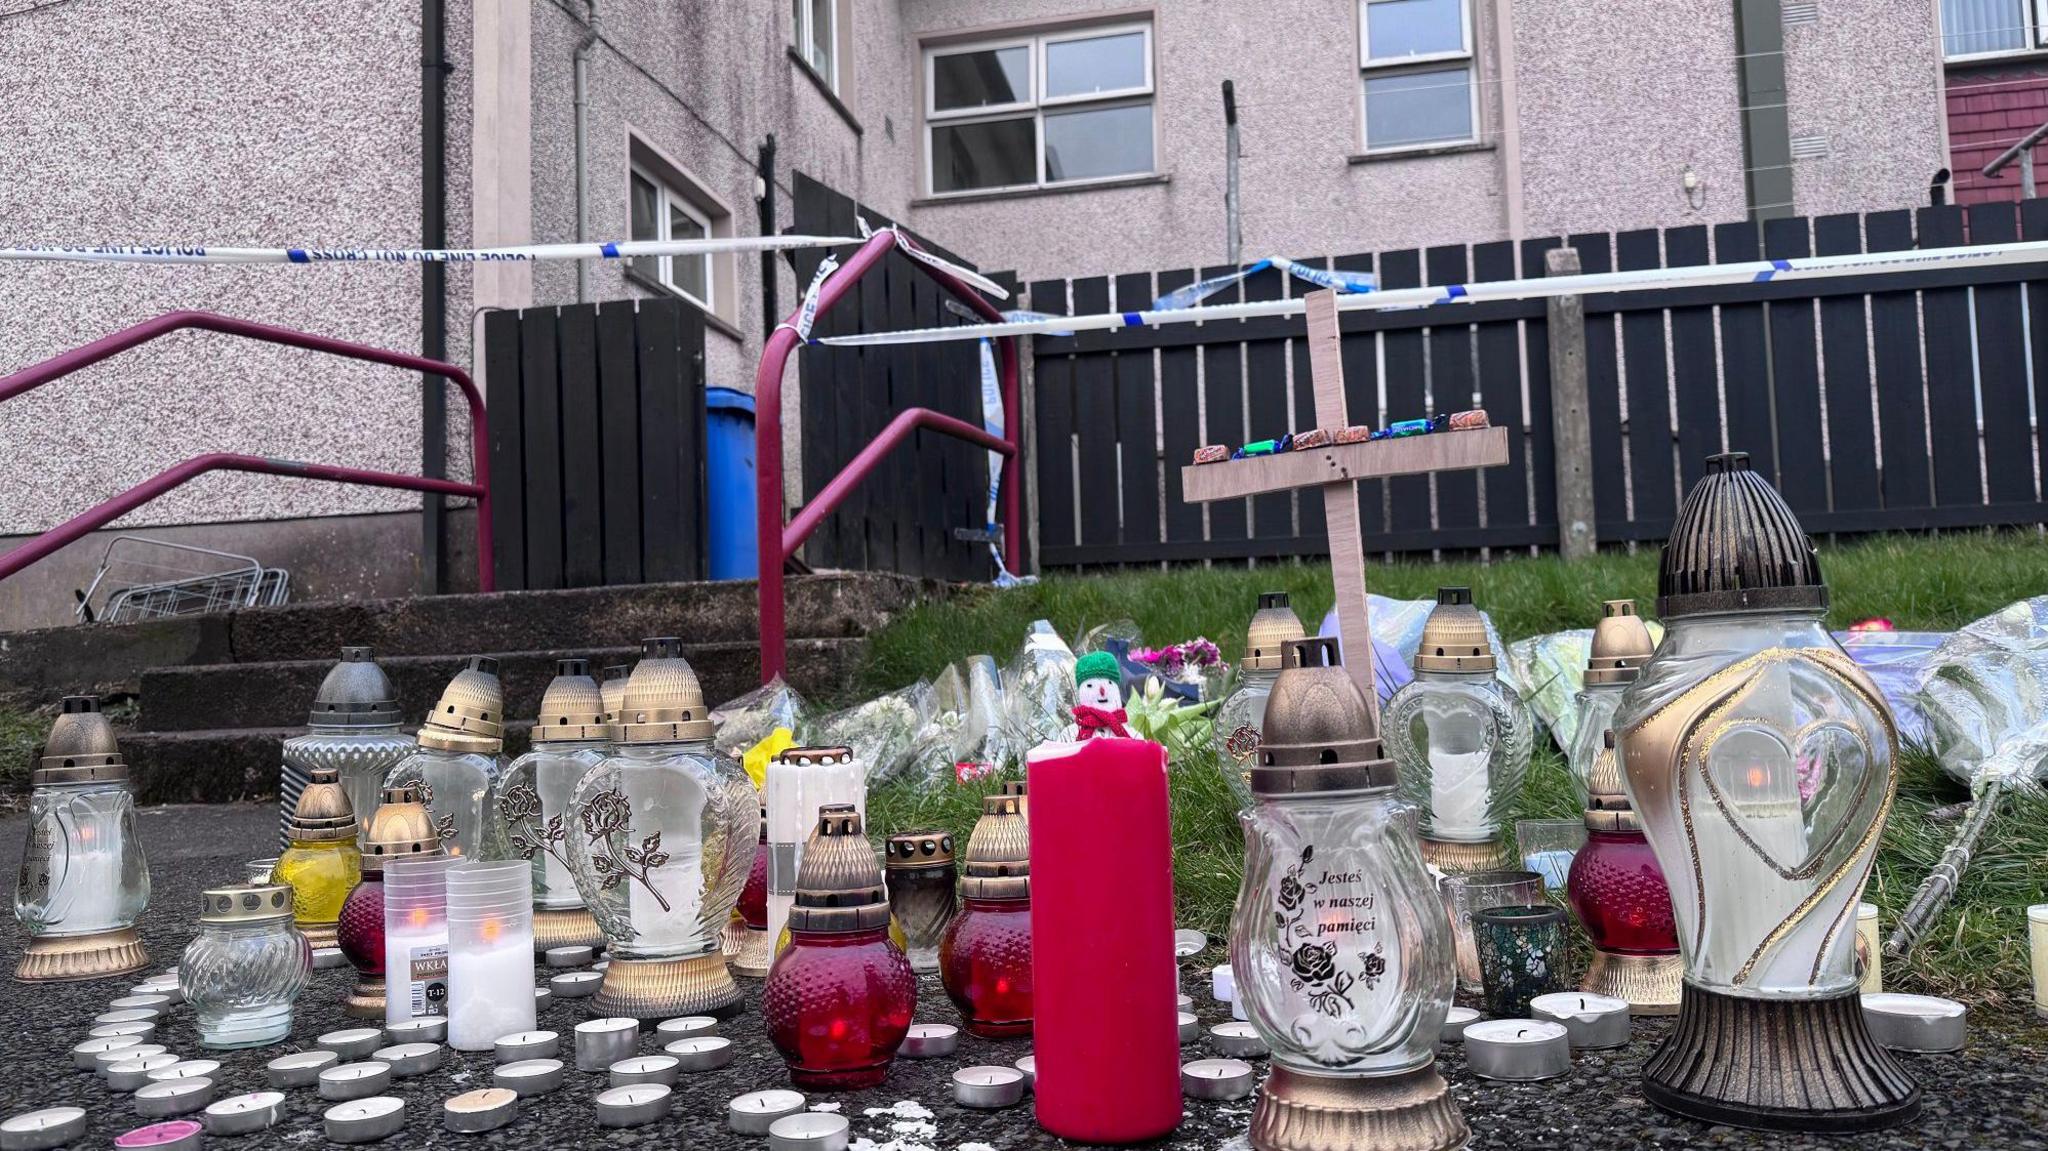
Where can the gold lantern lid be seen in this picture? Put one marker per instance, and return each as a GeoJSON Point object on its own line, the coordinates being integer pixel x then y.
{"type": "Point", "coordinates": [1607, 806]}
{"type": "Point", "coordinates": [356, 693]}
{"type": "Point", "coordinates": [1272, 627]}
{"type": "Point", "coordinates": [1454, 636]}
{"type": "Point", "coordinates": [81, 747]}
{"type": "Point", "coordinates": [1737, 547]}
{"type": "Point", "coordinates": [402, 828]}
{"type": "Point", "coordinates": [918, 850]}
{"type": "Point", "coordinates": [255, 903]}
{"type": "Point", "coordinates": [572, 709]}
{"type": "Point", "coordinates": [1319, 735]}
{"type": "Point", "coordinates": [323, 813]}
{"type": "Point", "coordinates": [1621, 645]}
{"type": "Point", "coordinates": [470, 715]}
{"type": "Point", "coordinates": [662, 702]}
{"type": "Point", "coordinates": [839, 885]}
{"type": "Point", "coordinates": [998, 852]}
{"type": "Point", "coordinates": [613, 689]}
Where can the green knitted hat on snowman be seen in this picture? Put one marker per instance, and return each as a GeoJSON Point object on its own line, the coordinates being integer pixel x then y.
{"type": "Point", "coordinates": [1096, 665]}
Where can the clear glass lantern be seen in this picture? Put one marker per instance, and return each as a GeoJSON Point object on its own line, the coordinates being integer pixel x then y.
{"type": "Point", "coordinates": [1761, 762]}
{"type": "Point", "coordinates": [353, 727]}
{"type": "Point", "coordinates": [570, 739]}
{"type": "Point", "coordinates": [1340, 947]}
{"type": "Point", "coordinates": [244, 970]}
{"type": "Point", "coordinates": [460, 757]}
{"type": "Point", "coordinates": [1461, 739]}
{"type": "Point", "coordinates": [1243, 714]}
{"type": "Point", "coordinates": [83, 881]}
{"type": "Point", "coordinates": [661, 840]}
{"type": "Point", "coordinates": [1620, 647]}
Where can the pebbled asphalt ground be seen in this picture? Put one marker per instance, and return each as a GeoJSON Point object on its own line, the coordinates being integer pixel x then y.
{"type": "Point", "coordinates": [1994, 1094]}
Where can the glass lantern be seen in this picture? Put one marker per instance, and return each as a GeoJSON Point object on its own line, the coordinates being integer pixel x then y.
{"type": "Point", "coordinates": [1461, 739]}
{"type": "Point", "coordinates": [749, 950]}
{"type": "Point", "coordinates": [799, 781]}
{"type": "Point", "coordinates": [322, 864]}
{"type": "Point", "coordinates": [460, 757]}
{"type": "Point", "coordinates": [985, 954]}
{"type": "Point", "coordinates": [84, 881]}
{"type": "Point", "coordinates": [353, 727]}
{"type": "Point", "coordinates": [400, 829]}
{"type": "Point", "coordinates": [532, 800]}
{"type": "Point", "coordinates": [1341, 950]}
{"type": "Point", "coordinates": [660, 842]}
{"type": "Point", "coordinates": [1620, 647]}
{"type": "Point", "coordinates": [246, 967]}
{"type": "Point", "coordinates": [1761, 762]}
{"type": "Point", "coordinates": [1619, 894]}
{"type": "Point", "coordinates": [918, 866]}
{"type": "Point", "coordinates": [1243, 714]}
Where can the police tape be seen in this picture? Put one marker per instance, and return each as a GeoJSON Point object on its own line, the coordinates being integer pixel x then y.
{"type": "Point", "coordinates": [519, 253]}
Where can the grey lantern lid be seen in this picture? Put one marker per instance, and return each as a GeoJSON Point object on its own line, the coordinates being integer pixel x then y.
{"type": "Point", "coordinates": [1737, 547]}
{"type": "Point", "coordinates": [356, 693]}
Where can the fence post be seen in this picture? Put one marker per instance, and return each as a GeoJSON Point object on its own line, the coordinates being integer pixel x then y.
{"type": "Point", "coordinates": [1571, 428]}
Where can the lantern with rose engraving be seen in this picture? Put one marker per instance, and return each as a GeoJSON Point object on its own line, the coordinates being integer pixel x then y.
{"type": "Point", "coordinates": [532, 799]}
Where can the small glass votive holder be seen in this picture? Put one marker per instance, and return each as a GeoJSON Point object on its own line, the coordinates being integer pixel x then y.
{"type": "Point", "coordinates": [490, 948]}
{"type": "Point", "coordinates": [2037, 949]}
{"type": "Point", "coordinates": [1547, 847]}
{"type": "Point", "coordinates": [257, 871]}
{"type": "Point", "coordinates": [1465, 895]}
{"type": "Point", "coordinates": [1522, 954]}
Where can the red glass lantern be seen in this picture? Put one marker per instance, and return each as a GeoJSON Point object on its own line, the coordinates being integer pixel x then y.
{"type": "Point", "coordinates": [753, 905]}
{"type": "Point", "coordinates": [400, 829]}
{"type": "Point", "coordinates": [985, 959]}
{"type": "Point", "coordinates": [840, 997]}
{"type": "Point", "coordinates": [1619, 893]}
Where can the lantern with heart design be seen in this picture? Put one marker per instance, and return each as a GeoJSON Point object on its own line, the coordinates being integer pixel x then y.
{"type": "Point", "coordinates": [1761, 762]}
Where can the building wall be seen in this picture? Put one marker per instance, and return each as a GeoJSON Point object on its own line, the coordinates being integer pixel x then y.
{"type": "Point", "coordinates": [1866, 78]}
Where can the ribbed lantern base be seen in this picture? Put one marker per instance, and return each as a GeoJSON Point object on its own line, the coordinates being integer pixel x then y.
{"type": "Point", "coordinates": [1462, 857]}
{"type": "Point", "coordinates": [1650, 983]}
{"type": "Point", "coordinates": [755, 954]}
{"type": "Point", "coordinates": [57, 958]}
{"type": "Point", "coordinates": [666, 988]}
{"type": "Point", "coordinates": [321, 935]}
{"type": "Point", "coordinates": [1779, 1065]}
{"type": "Point", "coordinates": [366, 1001]}
{"type": "Point", "coordinates": [1297, 1111]}
{"type": "Point", "coordinates": [572, 927]}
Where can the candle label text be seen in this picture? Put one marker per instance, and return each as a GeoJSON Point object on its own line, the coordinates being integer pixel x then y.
{"type": "Point", "coordinates": [428, 986]}
{"type": "Point", "coordinates": [1327, 924]}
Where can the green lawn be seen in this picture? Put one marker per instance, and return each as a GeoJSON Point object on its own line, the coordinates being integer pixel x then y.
{"type": "Point", "coordinates": [1978, 949]}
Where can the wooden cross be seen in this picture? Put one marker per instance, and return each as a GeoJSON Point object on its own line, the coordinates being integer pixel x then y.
{"type": "Point", "coordinates": [1336, 470]}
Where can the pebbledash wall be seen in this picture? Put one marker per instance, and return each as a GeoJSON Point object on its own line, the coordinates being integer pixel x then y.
{"type": "Point", "coordinates": [288, 121]}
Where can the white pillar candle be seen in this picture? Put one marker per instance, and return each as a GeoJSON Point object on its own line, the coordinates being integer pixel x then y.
{"type": "Point", "coordinates": [793, 790]}
{"type": "Point", "coordinates": [2037, 946]}
{"type": "Point", "coordinates": [1590, 1021]}
{"type": "Point", "coordinates": [87, 896]}
{"type": "Point", "coordinates": [1223, 983]}
{"type": "Point", "coordinates": [479, 1011]}
{"type": "Point", "coordinates": [1518, 1050]}
{"type": "Point", "coordinates": [1869, 948]}
{"type": "Point", "coordinates": [1919, 1023]}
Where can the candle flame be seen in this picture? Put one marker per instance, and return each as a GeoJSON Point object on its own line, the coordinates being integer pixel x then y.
{"type": "Point", "coordinates": [417, 917]}
{"type": "Point", "coordinates": [1758, 777]}
{"type": "Point", "coordinates": [492, 928]}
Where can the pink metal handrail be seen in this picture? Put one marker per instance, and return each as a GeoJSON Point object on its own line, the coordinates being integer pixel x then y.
{"type": "Point", "coordinates": [86, 355]}
{"type": "Point", "coordinates": [774, 543]}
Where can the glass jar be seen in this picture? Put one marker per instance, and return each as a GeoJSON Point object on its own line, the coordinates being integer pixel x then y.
{"type": "Point", "coordinates": [459, 759]}
{"type": "Point", "coordinates": [532, 799]}
{"type": "Point", "coordinates": [1460, 739]}
{"type": "Point", "coordinates": [985, 955]}
{"type": "Point", "coordinates": [244, 970]}
{"type": "Point", "coordinates": [1618, 892]}
{"type": "Point", "coordinates": [1243, 714]}
{"type": "Point", "coordinates": [322, 865]}
{"type": "Point", "coordinates": [749, 950]}
{"type": "Point", "coordinates": [83, 880]}
{"type": "Point", "coordinates": [921, 877]}
{"type": "Point", "coordinates": [353, 728]}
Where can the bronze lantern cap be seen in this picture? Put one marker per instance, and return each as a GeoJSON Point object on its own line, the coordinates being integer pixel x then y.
{"type": "Point", "coordinates": [662, 701]}
{"type": "Point", "coordinates": [613, 687]}
{"type": "Point", "coordinates": [81, 747]}
{"type": "Point", "coordinates": [1273, 626]}
{"type": "Point", "coordinates": [1454, 636]}
{"type": "Point", "coordinates": [1607, 806]}
{"type": "Point", "coordinates": [402, 828]}
{"type": "Point", "coordinates": [918, 850]}
{"type": "Point", "coordinates": [470, 715]}
{"type": "Point", "coordinates": [323, 813]}
{"type": "Point", "coordinates": [1737, 547]}
{"type": "Point", "coordinates": [254, 903]}
{"type": "Point", "coordinates": [356, 693]}
{"type": "Point", "coordinates": [1621, 645]}
{"type": "Point", "coordinates": [572, 708]}
{"type": "Point", "coordinates": [1319, 733]}
{"type": "Point", "coordinates": [998, 852]}
{"type": "Point", "coordinates": [839, 885]}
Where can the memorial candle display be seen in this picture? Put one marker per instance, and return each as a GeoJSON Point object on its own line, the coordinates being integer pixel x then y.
{"type": "Point", "coordinates": [1620, 646]}
{"type": "Point", "coordinates": [415, 938]}
{"type": "Point", "coordinates": [246, 967]}
{"type": "Point", "coordinates": [490, 952]}
{"type": "Point", "coordinates": [1105, 983]}
{"type": "Point", "coordinates": [353, 728]}
{"type": "Point", "coordinates": [1761, 762]}
{"type": "Point", "coordinates": [460, 758]}
{"type": "Point", "coordinates": [1243, 714]}
{"type": "Point", "coordinates": [797, 783]}
{"type": "Point", "coordinates": [1460, 739]}
{"type": "Point", "coordinates": [985, 958]}
{"type": "Point", "coordinates": [532, 800]}
{"type": "Point", "coordinates": [322, 863]}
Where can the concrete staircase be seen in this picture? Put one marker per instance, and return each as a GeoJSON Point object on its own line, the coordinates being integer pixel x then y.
{"type": "Point", "coordinates": [216, 694]}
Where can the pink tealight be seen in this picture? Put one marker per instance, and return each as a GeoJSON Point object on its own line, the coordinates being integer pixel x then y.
{"type": "Point", "coordinates": [172, 1135]}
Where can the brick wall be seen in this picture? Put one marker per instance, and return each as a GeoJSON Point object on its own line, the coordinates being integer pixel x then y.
{"type": "Point", "coordinates": [1989, 110]}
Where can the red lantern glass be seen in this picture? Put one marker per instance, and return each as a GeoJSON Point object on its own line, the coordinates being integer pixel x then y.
{"type": "Point", "coordinates": [985, 963]}
{"type": "Point", "coordinates": [837, 1006]}
{"type": "Point", "coordinates": [753, 905]}
{"type": "Point", "coordinates": [1620, 895]}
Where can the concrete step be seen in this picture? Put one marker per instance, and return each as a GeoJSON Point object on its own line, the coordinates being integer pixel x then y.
{"type": "Point", "coordinates": [224, 765]}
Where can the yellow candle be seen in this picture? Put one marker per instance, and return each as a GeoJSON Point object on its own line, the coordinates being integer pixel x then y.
{"type": "Point", "coordinates": [2037, 942]}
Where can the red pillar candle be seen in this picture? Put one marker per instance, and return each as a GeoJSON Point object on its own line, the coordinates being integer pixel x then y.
{"type": "Point", "coordinates": [1107, 1033]}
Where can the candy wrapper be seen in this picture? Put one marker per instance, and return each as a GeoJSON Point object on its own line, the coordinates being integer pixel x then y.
{"type": "Point", "coordinates": [1211, 454]}
{"type": "Point", "coordinates": [881, 731]}
{"type": "Point", "coordinates": [1355, 434]}
{"type": "Point", "coordinates": [1038, 689]}
{"type": "Point", "coordinates": [747, 719]}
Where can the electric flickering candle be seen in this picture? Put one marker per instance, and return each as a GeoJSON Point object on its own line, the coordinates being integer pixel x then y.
{"type": "Point", "coordinates": [459, 758]}
{"type": "Point", "coordinates": [322, 863]}
{"type": "Point", "coordinates": [1103, 975]}
{"type": "Point", "coordinates": [246, 966]}
{"type": "Point", "coordinates": [415, 938]}
{"type": "Point", "coordinates": [839, 998]}
{"type": "Point", "coordinates": [985, 958]}
{"type": "Point", "coordinates": [352, 728]}
{"type": "Point", "coordinates": [1619, 893]}
{"type": "Point", "coordinates": [490, 949]}
{"type": "Point", "coordinates": [799, 782]}
{"type": "Point", "coordinates": [532, 799]}
{"type": "Point", "coordinates": [921, 877]}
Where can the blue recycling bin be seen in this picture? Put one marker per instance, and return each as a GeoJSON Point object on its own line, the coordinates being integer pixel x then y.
{"type": "Point", "coordinates": [729, 476]}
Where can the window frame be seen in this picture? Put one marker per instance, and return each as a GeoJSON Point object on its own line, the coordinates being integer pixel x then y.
{"type": "Point", "coordinates": [1037, 104]}
{"type": "Point", "coordinates": [1468, 55]}
{"type": "Point", "coordinates": [2035, 12]}
{"type": "Point", "coordinates": [667, 198]}
{"type": "Point", "coordinates": [805, 36]}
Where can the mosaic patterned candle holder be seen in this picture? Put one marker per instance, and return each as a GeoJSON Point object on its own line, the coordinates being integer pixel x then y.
{"type": "Point", "coordinates": [1521, 955]}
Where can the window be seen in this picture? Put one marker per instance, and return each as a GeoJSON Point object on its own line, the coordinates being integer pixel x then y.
{"type": "Point", "coordinates": [817, 37]}
{"type": "Point", "coordinates": [1059, 108]}
{"type": "Point", "coordinates": [1991, 27]}
{"type": "Point", "coordinates": [1415, 73]}
{"type": "Point", "coordinates": [662, 213]}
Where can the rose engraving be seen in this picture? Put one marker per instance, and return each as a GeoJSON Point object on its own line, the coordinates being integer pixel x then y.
{"type": "Point", "coordinates": [520, 807]}
{"type": "Point", "coordinates": [607, 820]}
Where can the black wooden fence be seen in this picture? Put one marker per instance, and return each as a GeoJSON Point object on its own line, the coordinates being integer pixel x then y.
{"type": "Point", "coordinates": [905, 517]}
{"type": "Point", "coordinates": [1904, 400]}
{"type": "Point", "coordinates": [597, 443]}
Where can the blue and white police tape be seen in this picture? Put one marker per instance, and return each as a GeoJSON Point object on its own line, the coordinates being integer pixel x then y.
{"type": "Point", "coordinates": [518, 253]}
{"type": "Point", "coordinates": [909, 246]}
{"type": "Point", "coordinates": [1190, 295]}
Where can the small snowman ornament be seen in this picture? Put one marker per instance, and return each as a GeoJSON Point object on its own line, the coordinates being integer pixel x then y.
{"type": "Point", "coordinates": [1098, 698]}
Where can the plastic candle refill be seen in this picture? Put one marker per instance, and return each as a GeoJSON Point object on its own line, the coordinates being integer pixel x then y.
{"type": "Point", "coordinates": [661, 836]}
{"type": "Point", "coordinates": [460, 758]}
{"type": "Point", "coordinates": [749, 947]}
{"type": "Point", "coordinates": [839, 999]}
{"type": "Point", "coordinates": [985, 958]}
{"type": "Point", "coordinates": [921, 878]}
{"type": "Point", "coordinates": [1104, 980]}
{"type": "Point", "coordinates": [246, 966]}
{"type": "Point", "coordinates": [415, 938]}
{"type": "Point", "coordinates": [399, 829]}
{"type": "Point", "coordinates": [322, 864]}
{"type": "Point", "coordinates": [1338, 943]}
{"type": "Point", "coordinates": [490, 952]}
{"type": "Point", "coordinates": [1243, 714]}
{"type": "Point", "coordinates": [352, 727]}
{"type": "Point", "coordinates": [798, 782]}
{"type": "Point", "coordinates": [1460, 738]}
{"type": "Point", "coordinates": [1761, 762]}
{"type": "Point", "coordinates": [83, 880]}
{"type": "Point", "coordinates": [532, 800]}
{"type": "Point", "coordinates": [1619, 894]}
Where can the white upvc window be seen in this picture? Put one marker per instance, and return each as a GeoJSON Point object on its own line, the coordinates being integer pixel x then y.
{"type": "Point", "coordinates": [662, 213]}
{"type": "Point", "coordinates": [1974, 28]}
{"type": "Point", "coordinates": [816, 31]}
{"type": "Point", "coordinates": [1416, 74]}
{"type": "Point", "coordinates": [1028, 111]}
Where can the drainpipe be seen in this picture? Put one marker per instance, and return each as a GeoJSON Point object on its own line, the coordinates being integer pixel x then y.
{"type": "Point", "coordinates": [582, 73]}
{"type": "Point", "coordinates": [1233, 238]}
{"type": "Point", "coordinates": [764, 176]}
{"type": "Point", "coordinates": [433, 289]}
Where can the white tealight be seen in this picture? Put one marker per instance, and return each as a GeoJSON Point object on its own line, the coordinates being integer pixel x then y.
{"type": "Point", "coordinates": [41, 1130]}
{"type": "Point", "coordinates": [1236, 1040]}
{"type": "Point", "coordinates": [1926, 1024]}
{"type": "Point", "coordinates": [409, 1059]}
{"type": "Point", "coordinates": [245, 1114]}
{"type": "Point", "coordinates": [84, 1055]}
{"type": "Point", "coordinates": [142, 1029]}
{"type": "Point", "coordinates": [167, 1098]}
{"type": "Point", "coordinates": [131, 1015]}
{"type": "Point", "coordinates": [660, 1069]}
{"type": "Point", "coordinates": [527, 1045]}
{"type": "Point", "coordinates": [1190, 1027]}
{"type": "Point", "coordinates": [130, 1074]}
{"type": "Point", "coordinates": [354, 1080]}
{"type": "Point", "coordinates": [636, 1105]}
{"type": "Point", "coordinates": [575, 984]}
{"type": "Point", "coordinates": [529, 1076]}
{"type": "Point", "coordinates": [1187, 941]}
{"type": "Point", "coordinates": [683, 1027]}
{"type": "Point", "coordinates": [701, 1052]}
{"type": "Point", "coordinates": [352, 1042]}
{"type": "Point", "coordinates": [299, 1069]}
{"type": "Point", "coordinates": [420, 1029]}
{"type": "Point", "coordinates": [106, 1059]}
{"type": "Point", "coordinates": [485, 1109]}
{"type": "Point", "coordinates": [809, 1131]}
{"type": "Point", "coordinates": [147, 1001]}
{"type": "Point", "coordinates": [328, 958]}
{"type": "Point", "coordinates": [186, 1069]}
{"type": "Point", "coordinates": [756, 1111]}
{"type": "Point", "coordinates": [1216, 1079]}
{"type": "Point", "coordinates": [603, 1042]}
{"type": "Point", "coordinates": [1029, 1066]}
{"type": "Point", "coordinates": [1518, 1050]}
{"type": "Point", "coordinates": [929, 1040]}
{"type": "Point", "coordinates": [1185, 1003]}
{"type": "Point", "coordinates": [1592, 1022]}
{"type": "Point", "coordinates": [568, 955]}
{"type": "Point", "coordinates": [988, 1088]}
{"type": "Point", "coordinates": [1456, 1020]}
{"type": "Point", "coordinates": [364, 1120]}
